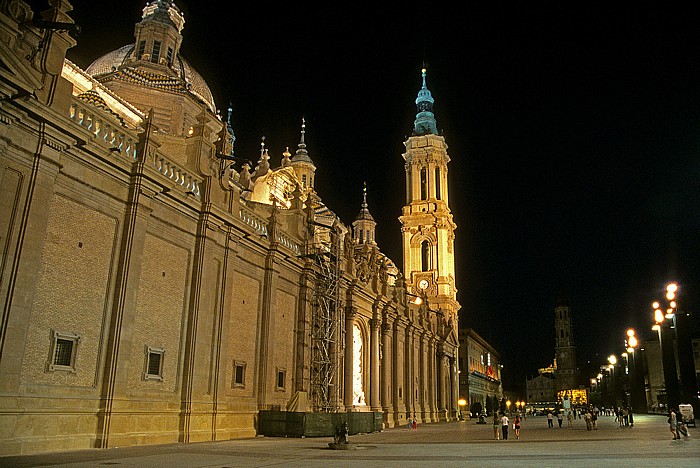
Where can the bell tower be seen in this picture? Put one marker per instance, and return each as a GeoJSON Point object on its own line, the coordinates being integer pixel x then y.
{"type": "Point", "coordinates": [567, 372]}
{"type": "Point", "coordinates": [427, 226]}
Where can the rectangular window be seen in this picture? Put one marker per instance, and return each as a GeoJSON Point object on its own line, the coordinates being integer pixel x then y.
{"type": "Point", "coordinates": [155, 56]}
{"type": "Point", "coordinates": [154, 364]}
{"type": "Point", "coordinates": [170, 56]}
{"type": "Point", "coordinates": [239, 374]}
{"type": "Point", "coordinates": [64, 349]}
{"type": "Point", "coordinates": [141, 50]}
{"type": "Point", "coordinates": [281, 375]}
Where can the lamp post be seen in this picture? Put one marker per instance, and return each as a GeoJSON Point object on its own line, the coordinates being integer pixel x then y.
{"type": "Point", "coordinates": [637, 393]}
{"type": "Point", "coordinates": [614, 380]}
{"type": "Point", "coordinates": [664, 321]}
{"type": "Point", "coordinates": [508, 403]}
{"type": "Point", "coordinates": [461, 402]}
{"type": "Point", "coordinates": [684, 347]}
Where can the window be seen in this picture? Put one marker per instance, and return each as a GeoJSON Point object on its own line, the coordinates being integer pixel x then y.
{"type": "Point", "coordinates": [303, 180]}
{"type": "Point", "coordinates": [239, 374]}
{"type": "Point", "coordinates": [155, 56]}
{"type": "Point", "coordinates": [437, 183]}
{"type": "Point", "coordinates": [169, 56]}
{"type": "Point", "coordinates": [154, 364]}
{"type": "Point", "coordinates": [425, 255]}
{"type": "Point", "coordinates": [423, 184]}
{"type": "Point", "coordinates": [141, 50]}
{"type": "Point", "coordinates": [281, 376]}
{"type": "Point", "coordinates": [64, 349]}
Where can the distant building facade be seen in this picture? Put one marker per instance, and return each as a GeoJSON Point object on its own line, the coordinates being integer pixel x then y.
{"type": "Point", "coordinates": [157, 289]}
{"type": "Point", "coordinates": [541, 389]}
{"type": "Point", "coordinates": [479, 370]}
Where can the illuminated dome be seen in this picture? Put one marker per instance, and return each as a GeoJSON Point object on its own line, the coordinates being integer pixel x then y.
{"type": "Point", "coordinates": [154, 60]}
{"type": "Point", "coordinates": [185, 78]}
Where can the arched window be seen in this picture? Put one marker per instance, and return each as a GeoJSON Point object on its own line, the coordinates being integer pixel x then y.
{"type": "Point", "coordinates": [425, 255]}
{"type": "Point", "coordinates": [423, 184]}
{"type": "Point", "coordinates": [437, 183]}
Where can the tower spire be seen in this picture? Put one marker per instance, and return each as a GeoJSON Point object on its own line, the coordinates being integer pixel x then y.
{"type": "Point", "coordinates": [425, 122]}
{"type": "Point", "coordinates": [364, 225]}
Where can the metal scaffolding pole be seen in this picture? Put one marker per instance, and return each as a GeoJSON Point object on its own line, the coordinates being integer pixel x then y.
{"type": "Point", "coordinates": [325, 327]}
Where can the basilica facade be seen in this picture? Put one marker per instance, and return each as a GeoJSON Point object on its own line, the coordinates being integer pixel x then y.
{"type": "Point", "coordinates": [158, 288]}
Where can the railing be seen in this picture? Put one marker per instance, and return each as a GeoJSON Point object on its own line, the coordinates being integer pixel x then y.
{"type": "Point", "coordinates": [252, 220]}
{"type": "Point", "coordinates": [109, 134]}
{"type": "Point", "coordinates": [112, 135]}
{"type": "Point", "coordinates": [175, 173]}
{"type": "Point", "coordinates": [259, 225]}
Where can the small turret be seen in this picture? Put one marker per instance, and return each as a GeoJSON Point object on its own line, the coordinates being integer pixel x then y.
{"type": "Point", "coordinates": [363, 228]}
{"type": "Point", "coordinates": [302, 163]}
{"type": "Point", "coordinates": [158, 35]}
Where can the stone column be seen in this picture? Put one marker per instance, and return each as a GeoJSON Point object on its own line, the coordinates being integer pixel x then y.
{"type": "Point", "coordinates": [374, 399]}
{"type": "Point", "coordinates": [422, 372]}
{"type": "Point", "coordinates": [349, 351]}
{"type": "Point", "coordinates": [387, 358]}
{"type": "Point", "coordinates": [434, 379]}
{"type": "Point", "coordinates": [454, 387]}
{"type": "Point", "coordinates": [441, 390]}
{"type": "Point", "coordinates": [408, 373]}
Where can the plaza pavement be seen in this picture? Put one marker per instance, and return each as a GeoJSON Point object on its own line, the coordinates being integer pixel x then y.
{"type": "Point", "coordinates": [456, 444]}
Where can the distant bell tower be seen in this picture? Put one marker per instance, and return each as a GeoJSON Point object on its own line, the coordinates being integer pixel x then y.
{"type": "Point", "coordinates": [427, 225]}
{"type": "Point", "coordinates": [567, 372]}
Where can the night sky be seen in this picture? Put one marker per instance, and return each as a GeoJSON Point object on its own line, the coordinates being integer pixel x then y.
{"type": "Point", "coordinates": [574, 133]}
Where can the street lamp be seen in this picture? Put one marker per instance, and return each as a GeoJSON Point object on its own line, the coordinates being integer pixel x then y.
{"type": "Point", "coordinates": [684, 348]}
{"type": "Point", "coordinates": [508, 403]}
{"type": "Point", "coordinates": [639, 403]}
{"type": "Point", "coordinates": [665, 319]}
{"type": "Point", "coordinates": [461, 402]}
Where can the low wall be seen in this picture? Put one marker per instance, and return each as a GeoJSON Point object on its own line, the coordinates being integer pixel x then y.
{"type": "Point", "coordinates": [291, 424]}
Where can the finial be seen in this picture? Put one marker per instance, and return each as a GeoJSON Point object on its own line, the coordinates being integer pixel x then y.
{"type": "Point", "coordinates": [303, 130]}
{"type": "Point", "coordinates": [262, 145]}
{"type": "Point", "coordinates": [364, 195]}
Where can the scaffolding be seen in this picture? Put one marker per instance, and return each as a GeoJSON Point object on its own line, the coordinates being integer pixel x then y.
{"type": "Point", "coordinates": [326, 326]}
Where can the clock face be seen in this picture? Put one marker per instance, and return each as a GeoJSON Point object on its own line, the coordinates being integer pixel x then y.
{"type": "Point", "coordinates": [562, 355]}
{"type": "Point", "coordinates": [423, 284]}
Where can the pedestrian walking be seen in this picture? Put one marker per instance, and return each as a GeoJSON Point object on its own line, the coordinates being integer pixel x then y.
{"type": "Point", "coordinates": [415, 424]}
{"type": "Point", "coordinates": [550, 419]}
{"type": "Point", "coordinates": [672, 424]}
{"type": "Point", "coordinates": [516, 426]}
{"type": "Point", "coordinates": [679, 422]}
{"type": "Point", "coordinates": [496, 423]}
{"type": "Point", "coordinates": [587, 417]}
{"type": "Point", "coordinates": [560, 418]}
{"type": "Point", "coordinates": [631, 417]}
{"type": "Point", "coordinates": [570, 418]}
{"type": "Point", "coordinates": [594, 420]}
{"type": "Point", "coordinates": [504, 426]}
{"type": "Point", "coordinates": [410, 424]}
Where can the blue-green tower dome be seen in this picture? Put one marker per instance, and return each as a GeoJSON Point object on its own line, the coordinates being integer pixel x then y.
{"type": "Point", "coordinates": [425, 123]}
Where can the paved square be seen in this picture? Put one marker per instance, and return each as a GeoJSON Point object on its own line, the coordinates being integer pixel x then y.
{"type": "Point", "coordinates": [647, 444]}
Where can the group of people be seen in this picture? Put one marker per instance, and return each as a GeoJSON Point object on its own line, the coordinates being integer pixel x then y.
{"type": "Point", "coordinates": [504, 422]}
{"type": "Point", "coordinates": [676, 424]}
{"type": "Point", "coordinates": [624, 416]}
